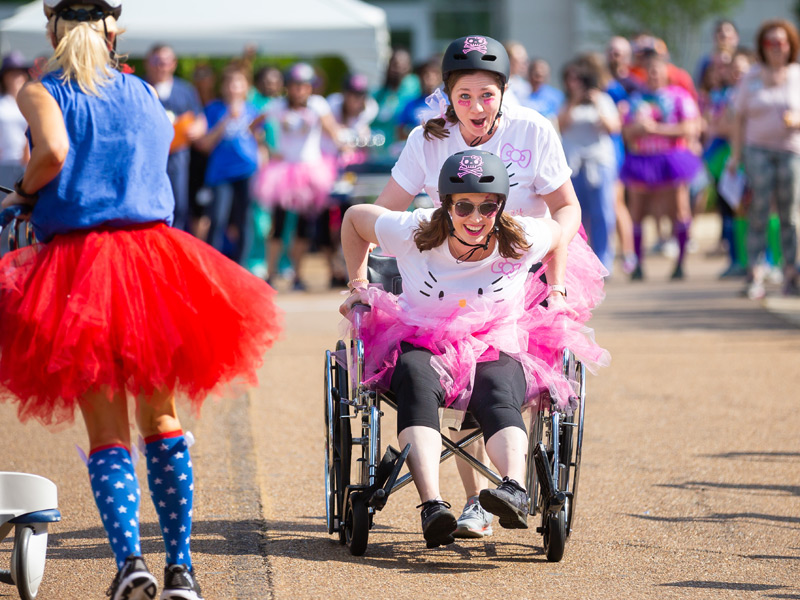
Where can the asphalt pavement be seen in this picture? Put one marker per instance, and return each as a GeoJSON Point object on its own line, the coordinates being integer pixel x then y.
{"type": "Point", "coordinates": [690, 482]}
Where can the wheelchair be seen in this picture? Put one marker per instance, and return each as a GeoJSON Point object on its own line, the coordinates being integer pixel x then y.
{"type": "Point", "coordinates": [28, 503]}
{"type": "Point", "coordinates": [353, 496]}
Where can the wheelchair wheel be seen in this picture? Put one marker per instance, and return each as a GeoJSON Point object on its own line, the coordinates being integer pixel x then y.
{"type": "Point", "coordinates": [572, 437]}
{"type": "Point", "coordinates": [555, 535]}
{"type": "Point", "coordinates": [28, 564]}
{"type": "Point", "coordinates": [342, 441]}
{"type": "Point", "coordinates": [356, 525]}
{"type": "Point", "coordinates": [338, 441]}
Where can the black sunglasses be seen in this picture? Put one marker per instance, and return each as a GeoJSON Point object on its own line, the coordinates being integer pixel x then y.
{"type": "Point", "coordinates": [465, 209]}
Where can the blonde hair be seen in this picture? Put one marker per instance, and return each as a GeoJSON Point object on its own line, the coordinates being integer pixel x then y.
{"type": "Point", "coordinates": [82, 52]}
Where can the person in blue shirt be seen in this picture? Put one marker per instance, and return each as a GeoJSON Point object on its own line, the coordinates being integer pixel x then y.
{"type": "Point", "coordinates": [544, 98]}
{"type": "Point", "coordinates": [185, 112]}
{"type": "Point", "coordinates": [114, 304]}
{"type": "Point", "coordinates": [413, 114]}
{"type": "Point", "coordinates": [233, 159]}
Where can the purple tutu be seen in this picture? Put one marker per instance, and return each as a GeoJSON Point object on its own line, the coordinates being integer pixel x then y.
{"type": "Point", "coordinates": [298, 187]}
{"type": "Point", "coordinates": [656, 170]}
{"type": "Point", "coordinates": [531, 334]}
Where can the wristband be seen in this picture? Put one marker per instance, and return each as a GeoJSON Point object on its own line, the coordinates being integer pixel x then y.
{"type": "Point", "coordinates": [558, 289]}
{"type": "Point", "coordinates": [22, 193]}
{"type": "Point", "coordinates": [352, 284]}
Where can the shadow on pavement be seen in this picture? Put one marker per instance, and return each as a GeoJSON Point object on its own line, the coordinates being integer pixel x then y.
{"type": "Point", "coordinates": [218, 538]}
{"type": "Point", "coordinates": [757, 456]}
{"type": "Point", "coordinates": [719, 518]}
{"type": "Point", "coordinates": [793, 490]}
{"type": "Point", "coordinates": [724, 585]}
{"type": "Point", "coordinates": [398, 555]}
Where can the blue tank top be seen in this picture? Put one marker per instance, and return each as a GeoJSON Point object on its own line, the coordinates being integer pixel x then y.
{"type": "Point", "coordinates": [115, 173]}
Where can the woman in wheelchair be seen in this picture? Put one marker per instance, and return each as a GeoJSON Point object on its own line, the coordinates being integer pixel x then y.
{"type": "Point", "coordinates": [467, 332]}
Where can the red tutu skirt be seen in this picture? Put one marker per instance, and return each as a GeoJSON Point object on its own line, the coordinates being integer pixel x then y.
{"type": "Point", "coordinates": [134, 310]}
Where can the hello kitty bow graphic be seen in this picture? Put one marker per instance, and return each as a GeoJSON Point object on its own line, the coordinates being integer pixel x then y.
{"type": "Point", "coordinates": [521, 157]}
{"type": "Point", "coordinates": [477, 44]}
{"type": "Point", "coordinates": [471, 165]}
{"type": "Point", "coordinates": [505, 267]}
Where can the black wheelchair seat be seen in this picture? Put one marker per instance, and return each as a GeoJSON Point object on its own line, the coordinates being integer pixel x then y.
{"type": "Point", "coordinates": [383, 269]}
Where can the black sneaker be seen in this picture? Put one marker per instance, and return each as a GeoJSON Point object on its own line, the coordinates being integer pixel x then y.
{"type": "Point", "coordinates": [637, 274]}
{"type": "Point", "coordinates": [677, 274]}
{"type": "Point", "coordinates": [509, 502]}
{"type": "Point", "coordinates": [438, 523]}
{"type": "Point", "coordinates": [133, 581]}
{"type": "Point", "coordinates": [180, 584]}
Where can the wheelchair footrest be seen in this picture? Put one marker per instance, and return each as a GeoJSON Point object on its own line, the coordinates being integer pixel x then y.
{"type": "Point", "coordinates": [554, 499]}
{"type": "Point", "coordinates": [5, 577]}
{"type": "Point", "coordinates": [385, 476]}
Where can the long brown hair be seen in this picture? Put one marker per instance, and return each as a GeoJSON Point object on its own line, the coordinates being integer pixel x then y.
{"type": "Point", "coordinates": [510, 235]}
{"type": "Point", "coordinates": [435, 128]}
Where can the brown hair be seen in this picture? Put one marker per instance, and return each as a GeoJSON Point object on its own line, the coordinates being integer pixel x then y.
{"type": "Point", "coordinates": [435, 128]}
{"type": "Point", "coordinates": [432, 234]}
{"type": "Point", "coordinates": [791, 34]}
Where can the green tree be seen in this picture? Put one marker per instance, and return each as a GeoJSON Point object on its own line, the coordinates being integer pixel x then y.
{"type": "Point", "coordinates": [677, 22]}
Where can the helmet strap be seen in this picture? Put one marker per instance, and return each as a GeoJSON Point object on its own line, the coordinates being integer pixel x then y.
{"type": "Point", "coordinates": [474, 247]}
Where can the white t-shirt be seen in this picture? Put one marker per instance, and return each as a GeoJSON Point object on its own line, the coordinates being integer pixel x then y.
{"type": "Point", "coordinates": [524, 140]}
{"type": "Point", "coordinates": [355, 127]}
{"type": "Point", "coordinates": [585, 140]}
{"type": "Point", "coordinates": [436, 284]}
{"type": "Point", "coordinates": [12, 132]}
{"type": "Point", "coordinates": [300, 129]}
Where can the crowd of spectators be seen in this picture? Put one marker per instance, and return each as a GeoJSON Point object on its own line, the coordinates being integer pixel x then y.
{"type": "Point", "coordinates": [256, 154]}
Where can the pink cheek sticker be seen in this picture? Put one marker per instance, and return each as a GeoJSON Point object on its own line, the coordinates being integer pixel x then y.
{"type": "Point", "coordinates": [488, 100]}
{"type": "Point", "coordinates": [464, 103]}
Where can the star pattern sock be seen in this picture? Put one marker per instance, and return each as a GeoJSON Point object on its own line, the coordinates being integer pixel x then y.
{"type": "Point", "coordinates": [116, 493]}
{"type": "Point", "coordinates": [171, 480]}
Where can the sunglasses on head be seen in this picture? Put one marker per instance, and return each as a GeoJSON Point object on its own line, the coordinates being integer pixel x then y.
{"type": "Point", "coordinates": [465, 209]}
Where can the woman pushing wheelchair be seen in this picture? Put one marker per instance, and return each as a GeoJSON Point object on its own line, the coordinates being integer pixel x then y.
{"type": "Point", "coordinates": [468, 331]}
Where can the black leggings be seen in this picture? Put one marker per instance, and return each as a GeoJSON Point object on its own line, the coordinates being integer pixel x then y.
{"type": "Point", "coordinates": [496, 401]}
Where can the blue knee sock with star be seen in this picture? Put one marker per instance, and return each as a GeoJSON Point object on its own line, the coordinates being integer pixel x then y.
{"type": "Point", "coordinates": [170, 475]}
{"type": "Point", "coordinates": [116, 493]}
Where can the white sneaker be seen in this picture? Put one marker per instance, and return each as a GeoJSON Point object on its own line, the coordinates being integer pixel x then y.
{"type": "Point", "coordinates": [474, 522]}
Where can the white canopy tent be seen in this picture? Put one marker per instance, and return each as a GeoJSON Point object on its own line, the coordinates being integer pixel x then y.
{"type": "Point", "coordinates": [352, 29]}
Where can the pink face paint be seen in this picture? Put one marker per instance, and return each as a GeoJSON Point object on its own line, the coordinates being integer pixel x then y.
{"type": "Point", "coordinates": [464, 103]}
{"type": "Point", "coordinates": [488, 100]}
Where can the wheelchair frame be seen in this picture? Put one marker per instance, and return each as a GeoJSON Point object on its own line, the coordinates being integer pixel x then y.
{"type": "Point", "coordinates": [553, 461]}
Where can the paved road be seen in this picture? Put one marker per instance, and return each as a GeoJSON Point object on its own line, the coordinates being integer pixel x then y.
{"type": "Point", "coordinates": [690, 485]}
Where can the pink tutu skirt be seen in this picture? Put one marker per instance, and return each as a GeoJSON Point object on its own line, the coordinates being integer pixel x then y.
{"type": "Point", "coordinates": [135, 310]}
{"type": "Point", "coordinates": [534, 336]}
{"type": "Point", "coordinates": [299, 187]}
{"type": "Point", "coordinates": [584, 278]}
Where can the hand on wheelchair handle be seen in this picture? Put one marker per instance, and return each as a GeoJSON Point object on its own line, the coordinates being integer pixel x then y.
{"type": "Point", "coordinates": [14, 207]}
{"type": "Point", "coordinates": [357, 298]}
{"type": "Point", "coordinates": [558, 302]}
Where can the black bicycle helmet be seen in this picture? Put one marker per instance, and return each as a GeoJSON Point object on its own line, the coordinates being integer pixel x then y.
{"type": "Point", "coordinates": [473, 171]}
{"type": "Point", "coordinates": [105, 8]}
{"type": "Point", "coordinates": [476, 52]}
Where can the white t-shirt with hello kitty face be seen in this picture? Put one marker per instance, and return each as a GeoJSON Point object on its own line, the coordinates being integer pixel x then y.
{"type": "Point", "coordinates": [525, 141]}
{"type": "Point", "coordinates": [436, 284]}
